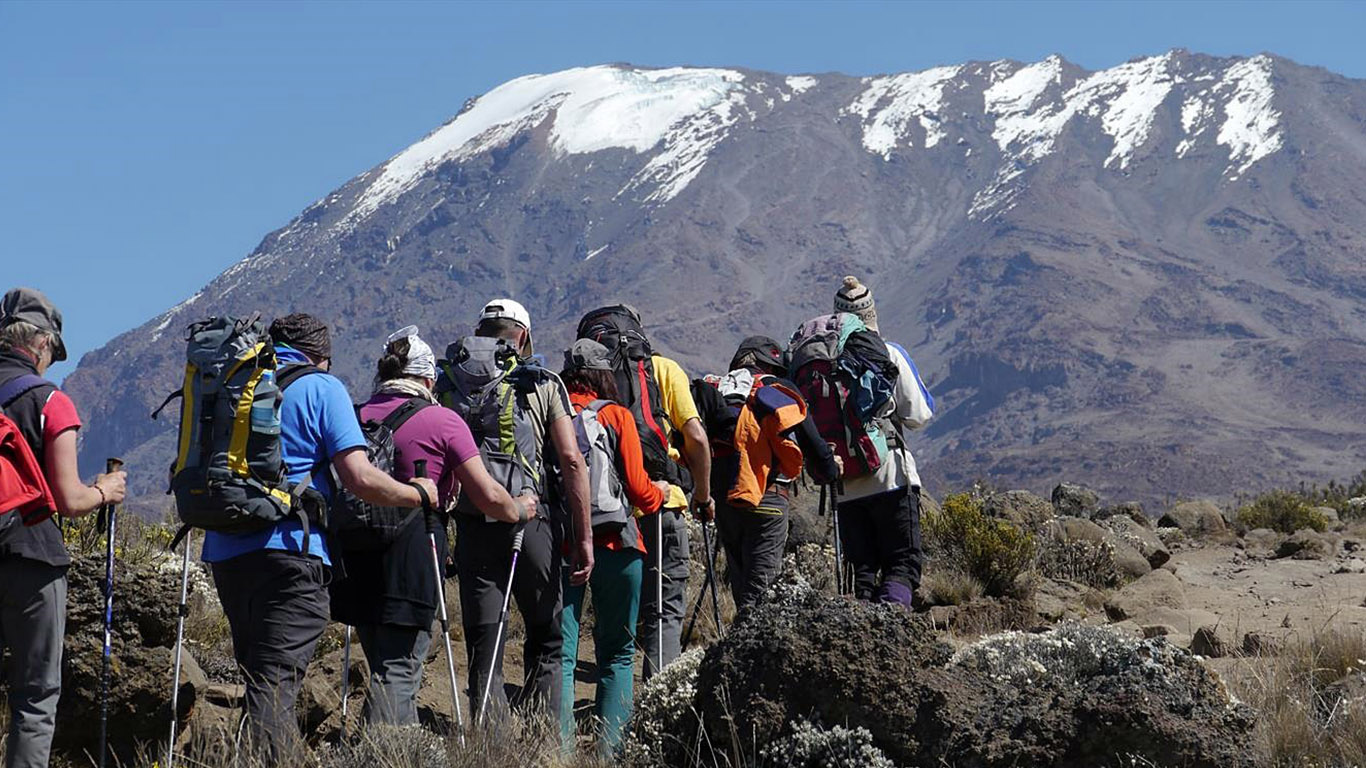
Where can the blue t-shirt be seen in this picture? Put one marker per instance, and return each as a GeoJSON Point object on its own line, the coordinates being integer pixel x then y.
{"type": "Point", "coordinates": [317, 422]}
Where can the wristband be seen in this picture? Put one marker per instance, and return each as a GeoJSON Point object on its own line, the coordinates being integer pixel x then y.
{"type": "Point", "coordinates": [103, 499]}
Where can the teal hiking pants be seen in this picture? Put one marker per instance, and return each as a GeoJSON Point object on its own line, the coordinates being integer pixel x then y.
{"type": "Point", "coordinates": [615, 586]}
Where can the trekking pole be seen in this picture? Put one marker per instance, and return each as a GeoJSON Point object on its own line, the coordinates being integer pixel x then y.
{"type": "Point", "coordinates": [107, 518]}
{"type": "Point", "coordinates": [711, 574]}
{"type": "Point", "coordinates": [710, 562]}
{"type": "Point", "coordinates": [502, 623]}
{"type": "Point", "coordinates": [179, 643]}
{"type": "Point", "coordinates": [659, 591]}
{"type": "Point", "coordinates": [420, 470]}
{"type": "Point", "coordinates": [839, 545]}
{"type": "Point", "coordinates": [345, 677]}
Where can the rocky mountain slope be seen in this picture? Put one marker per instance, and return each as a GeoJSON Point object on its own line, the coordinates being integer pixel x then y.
{"type": "Point", "coordinates": [1148, 278]}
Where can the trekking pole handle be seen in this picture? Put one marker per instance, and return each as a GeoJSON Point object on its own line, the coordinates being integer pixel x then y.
{"type": "Point", "coordinates": [517, 539]}
{"type": "Point", "coordinates": [112, 464]}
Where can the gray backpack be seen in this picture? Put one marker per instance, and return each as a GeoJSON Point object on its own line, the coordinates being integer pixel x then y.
{"type": "Point", "coordinates": [486, 383]}
{"type": "Point", "coordinates": [598, 444]}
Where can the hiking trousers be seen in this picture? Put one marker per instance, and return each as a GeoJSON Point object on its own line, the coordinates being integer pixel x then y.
{"type": "Point", "coordinates": [277, 607]}
{"type": "Point", "coordinates": [615, 589]}
{"type": "Point", "coordinates": [670, 614]}
{"type": "Point", "coordinates": [395, 655]}
{"type": "Point", "coordinates": [32, 622]}
{"type": "Point", "coordinates": [754, 539]}
{"type": "Point", "coordinates": [484, 555]}
{"type": "Point", "coordinates": [881, 538]}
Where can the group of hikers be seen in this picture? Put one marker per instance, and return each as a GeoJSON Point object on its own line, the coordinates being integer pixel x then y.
{"type": "Point", "coordinates": [562, 485]}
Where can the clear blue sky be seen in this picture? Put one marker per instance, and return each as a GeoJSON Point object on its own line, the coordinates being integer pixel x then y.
{"type": "Point", "coordinates": [145, 147]}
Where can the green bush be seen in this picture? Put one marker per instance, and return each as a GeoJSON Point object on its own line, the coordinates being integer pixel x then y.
{"type": "Point", "coordinates": [1282, 511]}
{"type": "Point", "coordinates": [994, 552]}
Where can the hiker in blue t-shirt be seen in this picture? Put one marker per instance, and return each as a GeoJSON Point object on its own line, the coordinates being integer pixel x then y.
{"type": "Point", "coordinates": [273, 584]}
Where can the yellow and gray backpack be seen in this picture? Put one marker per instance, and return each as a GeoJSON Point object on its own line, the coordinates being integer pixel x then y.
{"type": "Point", "coordinates": [229, 475]}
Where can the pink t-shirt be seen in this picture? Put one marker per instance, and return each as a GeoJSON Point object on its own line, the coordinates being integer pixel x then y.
{"type": "Point", "coordinates": [436, 434]}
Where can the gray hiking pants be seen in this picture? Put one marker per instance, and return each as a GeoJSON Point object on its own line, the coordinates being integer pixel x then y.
{"type": "Point", "coordinates": [277, 606]}
{"type": "Point", "coordinates": [754, 539]}
{"type": "Point", "coordinates": [395, 655]}
{"type": "Point", "coordinates": [669, 617]}
{"type": "Point", "coordinates": [32, 622]}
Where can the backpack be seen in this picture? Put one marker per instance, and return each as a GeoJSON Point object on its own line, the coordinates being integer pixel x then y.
{"type": "Point", "coordinates": [618, 329]}
{"type": "Point", "coordinates": [229, 474]}
{"type": "Point", "coordinates": [611, 510]}
{"type": "Point", "coordinates": [484, 381]}
{"type": "Point", "coordinates": [358, 525]}
{"type": "Point", "coordinates": [23, 487]}
{"type": "Point", "coordinates": [845, 373]}
{"type": "Point", "coordinates": [726, 396]}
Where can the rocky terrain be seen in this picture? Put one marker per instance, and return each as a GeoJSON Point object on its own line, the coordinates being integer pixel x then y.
{"type": "Point", "coordinates": [1146, 278]}
{"type": "Point", "coordinates": [1199, 635]}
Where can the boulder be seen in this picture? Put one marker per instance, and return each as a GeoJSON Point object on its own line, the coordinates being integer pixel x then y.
{"type": "Point", "coordinates": [1130, 509]}
{"type": "Point", "coordinates": [1356, 507]}
{"type": "Point", "coordinates": [1158, 589]}
{"type": "Point", "coordinates": [1073, 500]}
{"type": "Point", "coordinates": [1195, 519]}
{"type": "Point", "coordinates": [1075, 695]}
{"type": "Point", "coordinates": [1130, 563]}
{"type": "Point", "coordinates": [1261, 644]}
{"type": "Point", "coordinates": [1127, 560]}
{"type": "Point", "coordinates": [1140, 538]}
{"type": "Point", "coordinates": [1307, 544]}
{"type": "Point", "coordinates": [1211, 642]}
{"type": "Point", "coordinates": [1352, 565]}
{"type": "Point", "coordinates": [1331, 516]}
{"type": "Point", "coordinates": [1262, 541]}
{"type": "Point", "coordinates": [1022, 508]}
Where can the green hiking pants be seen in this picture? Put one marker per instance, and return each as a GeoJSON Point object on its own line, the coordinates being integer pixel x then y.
{"type": "Point", "coordinates": [615, 585]}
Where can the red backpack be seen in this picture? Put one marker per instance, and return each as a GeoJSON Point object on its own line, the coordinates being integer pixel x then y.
{"type": "Point", "coordinates": [23, 488]}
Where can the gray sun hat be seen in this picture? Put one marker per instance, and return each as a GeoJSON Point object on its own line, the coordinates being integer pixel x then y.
{"type": "Point", "coordinates": [29, 305]}
{"type": "Point", "coordinates": [586, 353]}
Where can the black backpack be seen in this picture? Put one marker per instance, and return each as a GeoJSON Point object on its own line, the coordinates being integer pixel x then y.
{"type": "Point", "coordinates": [358, 525]}
{"type": "Point", "coordinates": [618, 329]}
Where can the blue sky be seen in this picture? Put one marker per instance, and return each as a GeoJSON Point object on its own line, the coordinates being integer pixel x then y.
{"type": "Point", "coordinates": [147, 146]}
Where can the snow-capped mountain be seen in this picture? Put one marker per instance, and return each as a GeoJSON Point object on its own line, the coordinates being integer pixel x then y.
{"type": "Point", "coordinates": [1147, 277]}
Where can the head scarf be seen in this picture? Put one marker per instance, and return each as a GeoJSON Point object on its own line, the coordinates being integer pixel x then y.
{"type": "Point", "coordinates": [305, 333]}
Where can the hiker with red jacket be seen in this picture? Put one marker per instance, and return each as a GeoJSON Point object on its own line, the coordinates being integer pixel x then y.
{"type": "Point", "coordinates": [759, 431]}
{"type": "Point", "coordinates": [618, 481]}
{"type": "Point", "coordinates": [33, 560]}
{"type": "Point", "coordinates": [879, 513]}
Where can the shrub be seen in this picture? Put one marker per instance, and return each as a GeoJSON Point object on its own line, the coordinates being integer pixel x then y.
{"type": "Point", "coordinates": [948, 585]}
{"type": "Point", "coordinates": [994, 552]}
{"type": "Point", "coordinates": [1085, 562]}
{"type": "Point", "coordinates": [663, 710]}
{"type": "Point", "coordinates": [1282, 511]}
{"type": "Point", "coordinates": [811, 746]}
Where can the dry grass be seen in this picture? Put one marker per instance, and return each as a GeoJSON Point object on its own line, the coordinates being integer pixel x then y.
{"type": "Point", "coordinates": [1311, 701]}
{"type": "Point", "coordinates": [948, 585]}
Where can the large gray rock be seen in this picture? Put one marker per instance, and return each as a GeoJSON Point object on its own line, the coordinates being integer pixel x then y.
{"type": "Point", "coordinates": [1331, 516]}
{"type": "Point", "coordinates": [1026, 510]}
{"type": "Point", "coordinates": [1195, 519]}
{"type": "Point", "coordinates": [1073, 696]}
{"type": "Point", "coordinates": [1262, 541]}
{"type": "Point", "coordinates": [1139, 537]}
{"type": "Point", "coordinates": [1074, 500]}
{"type": "Point", "coordinates": [1158, 589]}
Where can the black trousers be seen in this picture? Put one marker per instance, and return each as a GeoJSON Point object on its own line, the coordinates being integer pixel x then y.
{"type": "Point", "coordinates": [754, 539]}
{"type": "Point", "coordinates": [484, 555]}
{"type": "Point", "coordinates": [881, 538]}
{"type": "Point", "coordinates": [277, 606]}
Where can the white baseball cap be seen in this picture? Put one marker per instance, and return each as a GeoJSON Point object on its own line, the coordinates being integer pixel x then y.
{"type": "Point", "coordinates": [512, 310]}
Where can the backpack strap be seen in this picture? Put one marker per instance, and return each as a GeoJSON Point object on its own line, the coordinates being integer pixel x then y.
{"type": "Point", "coordinates": [19, 386]}
{"type": "Point", "coordinates": [291, 373]}
{"type": "Point", "coordinates": [400, 415]}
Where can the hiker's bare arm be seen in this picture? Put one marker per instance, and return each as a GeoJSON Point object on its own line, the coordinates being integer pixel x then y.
{"type": "Point", "coordinates": [575, 474]}
{"type": "Point", "coordinates": [372, 485]}
{"type": "Point", "coordinates": [73, 497]}
{"type": "Point", "coordinates": [490, 496]}
{"type": "Point", "coordinates": [698, 452]}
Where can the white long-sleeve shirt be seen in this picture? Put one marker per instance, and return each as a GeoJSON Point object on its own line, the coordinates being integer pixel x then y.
{"type": "Point", "coordinates": [913, 408]}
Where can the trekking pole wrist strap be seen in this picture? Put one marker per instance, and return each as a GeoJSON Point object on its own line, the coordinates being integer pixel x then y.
{"type": "Point", "coordinates": [422, 494]}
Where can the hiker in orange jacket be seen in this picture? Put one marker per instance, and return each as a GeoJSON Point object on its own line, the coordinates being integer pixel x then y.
{"type": "Point", "coordinates": [760, 439]}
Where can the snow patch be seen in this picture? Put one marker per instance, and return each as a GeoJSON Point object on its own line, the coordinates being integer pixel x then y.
{"type": "Point", "coordinates": [888, 106]}
{"type": "Point", "coordinates": [1251, 127]}
{"type": "Point", "coordinates": [593, 108]}
{"type": "Point", "coordinates": [171, 314]}
{"type": "Point", "coordinates": [1012, 100]}
{"type": "Point", "coordinates": [800, 84]}
{"type": "Point", "coordinates": [594, 252]}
